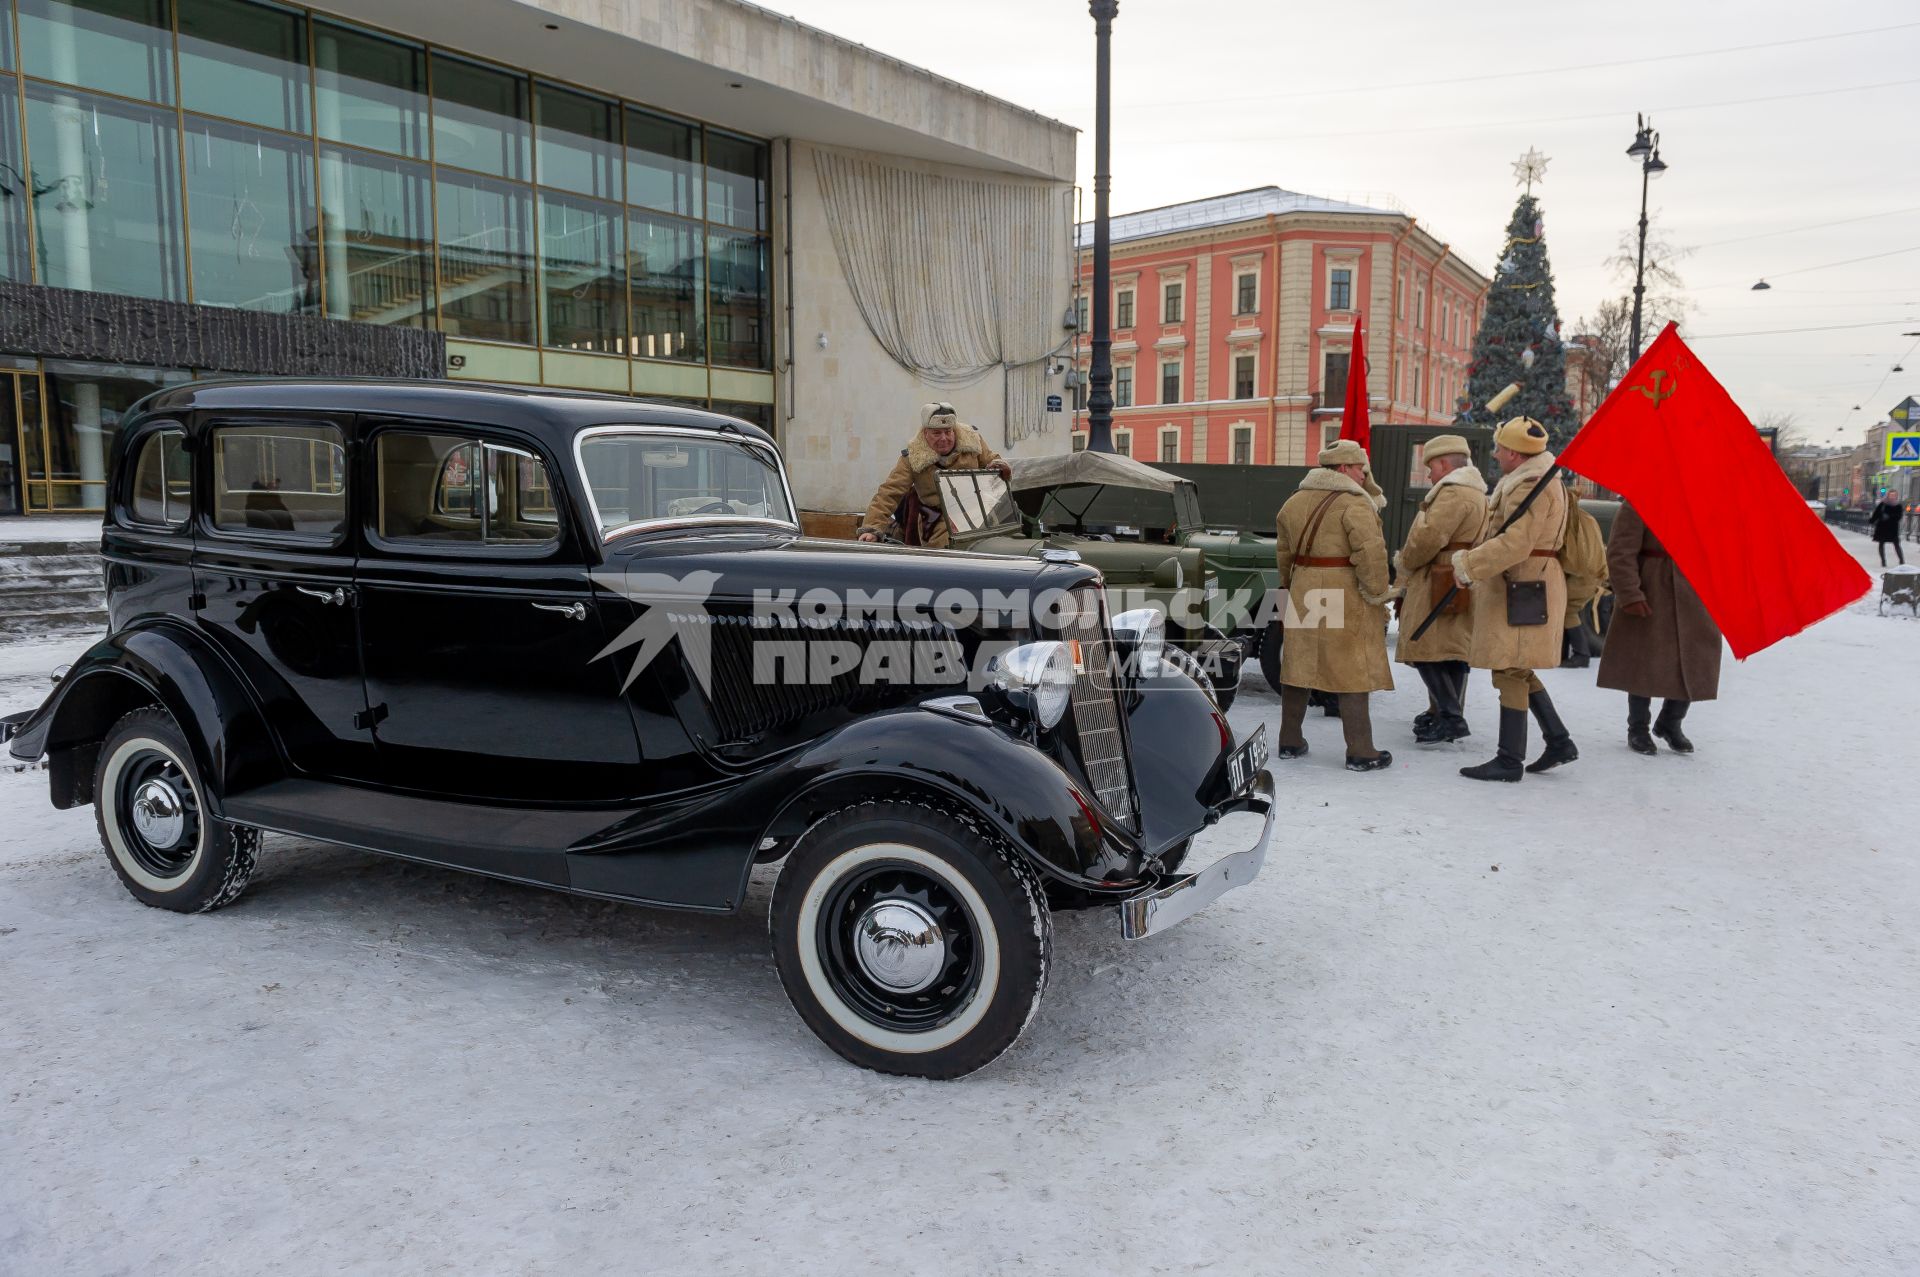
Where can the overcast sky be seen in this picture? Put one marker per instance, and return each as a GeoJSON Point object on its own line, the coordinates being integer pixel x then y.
{"type": "Point", "coordinates": [1781, 148]}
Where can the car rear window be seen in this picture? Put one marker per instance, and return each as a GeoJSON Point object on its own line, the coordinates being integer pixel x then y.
{"type": "Point", "coordinates": [280, 479]}
{"type": "Point", "coordinates": [162, 481]}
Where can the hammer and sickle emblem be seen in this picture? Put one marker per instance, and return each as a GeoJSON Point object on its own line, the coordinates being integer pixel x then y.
{"type": "Point", "coordinates": [1660, 389]}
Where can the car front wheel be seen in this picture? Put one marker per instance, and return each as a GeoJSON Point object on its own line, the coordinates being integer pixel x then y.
{"type": "Point", "coordinates": [911, 941]}
{"type": "Point", "coordinates": [150, 803]}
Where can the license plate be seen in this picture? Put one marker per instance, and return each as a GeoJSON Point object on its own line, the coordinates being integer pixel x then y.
{"type": "Point", "coordinates": [1245, 762]}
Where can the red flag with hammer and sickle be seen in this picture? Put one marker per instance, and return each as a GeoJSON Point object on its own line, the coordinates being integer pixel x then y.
{"type": "Point", "coordinates": [1673, 444]}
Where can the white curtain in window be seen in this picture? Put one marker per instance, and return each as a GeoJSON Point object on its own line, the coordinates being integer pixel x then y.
{"type": "Point", "coordinates": [955, 277]}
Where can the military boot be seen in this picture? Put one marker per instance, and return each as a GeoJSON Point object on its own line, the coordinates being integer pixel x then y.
{"type": "Point", "coordinates": [1293, 716]}
{"type": "Point", "coordinates": [1506, 764]}
{"type": "Point", "coordinates": [1450, 722]}
{"type": "Point", "coordinates": [1667, 726]}
{"type": "Point", "coordinates": [1356, 721]}
{"type": "Point", "coordinates": [1430, 674]}
{"type": "Point", "coordinates": [1559, 741]}
{"type": "Point", "coordinates": [1639, 714]}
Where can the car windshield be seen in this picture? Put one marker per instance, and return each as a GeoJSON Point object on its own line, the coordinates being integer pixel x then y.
{"type": "Point", "coordinates": [639, 477]}
{"type": "Point", "coordinates": [976, 499]}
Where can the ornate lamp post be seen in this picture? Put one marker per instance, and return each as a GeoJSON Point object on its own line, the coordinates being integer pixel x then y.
{"type": "Point", "coordinates": [1100, 375]}
{"type": "Point", "coordinates": [1645, 151]}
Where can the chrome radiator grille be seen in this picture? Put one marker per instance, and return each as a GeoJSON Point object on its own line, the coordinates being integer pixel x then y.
{"type": "Point", "coordinates": [1096, 708]}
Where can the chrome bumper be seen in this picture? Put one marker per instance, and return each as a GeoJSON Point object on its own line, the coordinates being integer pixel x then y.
{"type": "Point", "coordinates": [1151, 912]}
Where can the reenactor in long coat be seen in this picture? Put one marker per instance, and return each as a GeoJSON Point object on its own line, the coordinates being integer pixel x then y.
{"type": "Point", "coordinates": [1662, 641]}
{"type": "Point", "coordinates": [1517, 631]}
{"type": "Point", "coordinates": [1583, 557]}
{"type": "Point", "coordinates": [909, 497]}
{"type": "Point", "coordinates": [1333, 565]}
{"type": "Point", "coordinates": [1450, 519]}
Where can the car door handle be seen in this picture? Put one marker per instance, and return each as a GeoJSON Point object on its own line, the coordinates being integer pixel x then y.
{"type": "Point", "coordinates": [572, 611]}
{"type": "Point", "coordinates": [337, 596]}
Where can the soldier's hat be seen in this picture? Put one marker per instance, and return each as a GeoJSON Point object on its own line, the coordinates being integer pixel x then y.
{"type": "Point", "coordinates": [1445, 446]}
{"type": "Point", "coordinates": [938, 416]}
{"type": "Point", "coordinates": [1523, 435]}
{"type": "Point", "coordinates": [1343, 452]}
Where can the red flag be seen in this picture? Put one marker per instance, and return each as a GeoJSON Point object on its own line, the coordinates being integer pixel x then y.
{"type": "Point", "coordinates": [1354, 424]}
{"type": "Point", "coordinates": [1672, 443]}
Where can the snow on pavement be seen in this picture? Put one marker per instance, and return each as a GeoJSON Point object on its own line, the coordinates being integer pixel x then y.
{"type": "Point", "coordinates": [1637, 1016]}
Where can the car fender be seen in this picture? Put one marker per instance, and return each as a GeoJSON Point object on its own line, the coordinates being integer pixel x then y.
{"type": "Point", "coordinates": [1180, 742]}
{"type": "Point", "coordinates": [163, 663]}
{"type": "Point", "coordinates": [699, 853]}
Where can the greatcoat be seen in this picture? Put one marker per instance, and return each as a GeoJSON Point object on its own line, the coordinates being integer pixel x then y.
{"type": "Point", "coordinates": [919, 469]}
{"type": "Point", "coordinates": [1674, 653]}
{"type": "Point", "coordinates": [1337, 587]}
{"type": "Point", "coordinates": [1450, 519]}
{"type": "Point", "coordinates": [1527, 551]}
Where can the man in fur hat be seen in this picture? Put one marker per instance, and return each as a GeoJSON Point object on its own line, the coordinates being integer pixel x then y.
{"type": "Point", "coordinates": [1450, 519]}
{"type": "Point", "coordinates": [1515, 638]}
{"type": "Point", "coordinates": [1333, 565]}
{"type": "Point", "coordinates": [910, 494]}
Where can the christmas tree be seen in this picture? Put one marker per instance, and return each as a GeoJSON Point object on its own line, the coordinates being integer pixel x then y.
{"type": "Point", "coordinates": [1519, 337]}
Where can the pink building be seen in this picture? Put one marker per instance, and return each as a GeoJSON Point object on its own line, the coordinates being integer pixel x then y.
{"type": "Point", "coordinates": [1233, 325]}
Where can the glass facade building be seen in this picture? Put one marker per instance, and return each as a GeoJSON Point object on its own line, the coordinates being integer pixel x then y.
{"type": "Point", "coordinates": [274, 159]}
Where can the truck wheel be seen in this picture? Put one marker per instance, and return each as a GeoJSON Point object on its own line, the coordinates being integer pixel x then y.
{"type": "Point", "coordinates": [1270, 645]}
{"type": "Point", "coordinates": [911, 941]}
{"type": "Point", "coordinates": [150, 805]}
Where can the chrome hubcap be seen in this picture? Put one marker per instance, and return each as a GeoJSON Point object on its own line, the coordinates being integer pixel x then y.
{"type": "Point", "coordinates": [159, 815]}
{"type": "Point", "coordinates": [899, 946]}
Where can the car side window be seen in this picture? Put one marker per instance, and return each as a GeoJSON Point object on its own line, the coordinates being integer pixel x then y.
{"type": "Point", "coordinates": [280, 478]}
{"type": "Point", "coordinates": [162, 481]}
{"type": "Point", "coordinates": [448, 489]}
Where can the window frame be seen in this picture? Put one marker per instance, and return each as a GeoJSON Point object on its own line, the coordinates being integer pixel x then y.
{"type": "Point", "coordinates": [207, 490]}
{"type": "Point", "coordinates": [137, 442]}
{"type": "Point", "coordinates": [1252, 361]}
{"type": "Point", "coordinates": [1336, 268]}
{"type": "Point", "coordinates": [1174, 291]}
{"type": "Point", "coordinates": [1178, 368]}
{"type": "Point", "coordinates": [1244, 282]}
{"type": "Point", "coordinates": [1123, 442]}
{"type": "Point", "coordinates": [1117, 368]}
{"type": "Point", "coordinates": [487, 438]}
{"type": "Point", "coordinates": [1169, 434]}
{"type": "Point", "coordinates": [1123, 307]}
{"type": "Point", "coordinates": [1239, 435]}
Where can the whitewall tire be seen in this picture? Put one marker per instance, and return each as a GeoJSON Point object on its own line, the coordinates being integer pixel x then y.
{"type": "Point", "coordinates": [150, 803]}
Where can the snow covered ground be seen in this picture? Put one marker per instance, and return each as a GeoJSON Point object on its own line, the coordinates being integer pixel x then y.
{"type": "Point", "coordinates": [1637, 1016]}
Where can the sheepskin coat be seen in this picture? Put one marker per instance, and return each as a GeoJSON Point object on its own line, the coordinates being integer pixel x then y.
{"type": "Point", "coordinates": [1450, 518]}
{"type": "Point", "coordinates": [1336, 623]}
{"type": "Point", "coordinates": [918, 469]}
{"type": "Point", "coordinates": [1527, 551]}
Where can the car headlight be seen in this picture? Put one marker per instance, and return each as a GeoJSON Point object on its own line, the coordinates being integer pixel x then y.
{"type": "Point", "coordinates": [1038, 677]}
{"type": "Point", "coordinates": [1144, 629]}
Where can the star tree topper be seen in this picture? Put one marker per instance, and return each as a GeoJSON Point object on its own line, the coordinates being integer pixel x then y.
{"type": "Point", "coordinates": [1530, 168]}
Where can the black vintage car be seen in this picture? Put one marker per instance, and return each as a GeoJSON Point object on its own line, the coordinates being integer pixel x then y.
{"type": "Point", "coordinates": [577, 641]}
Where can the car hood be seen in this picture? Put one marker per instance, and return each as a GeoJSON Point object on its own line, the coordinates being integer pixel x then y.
{"type": "Point", "coordinates": [746, 563]}
{"type": "Point", "coordinates": [1118, 561]}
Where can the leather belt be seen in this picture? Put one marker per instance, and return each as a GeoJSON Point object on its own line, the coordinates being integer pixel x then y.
{"type": "Point", "coordinates": [1647, 553]}
{"type": "Point", "coordinates": [1308, 562]}
{"type": "Point", "coordinates": [1546, 554]}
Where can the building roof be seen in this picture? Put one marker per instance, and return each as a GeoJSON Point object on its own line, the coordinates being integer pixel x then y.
{"type": "Point", "coordinates": [1223, 210]}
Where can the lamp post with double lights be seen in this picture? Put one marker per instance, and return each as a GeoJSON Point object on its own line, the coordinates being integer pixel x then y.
{"type": "Point", "coordinates": [1646, 152]}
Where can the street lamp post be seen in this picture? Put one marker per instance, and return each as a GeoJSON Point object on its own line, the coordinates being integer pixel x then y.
{"type": "Point", "coordinates": [1100, 375]}
{"type": "Point", "coordinates": [1646, 152]}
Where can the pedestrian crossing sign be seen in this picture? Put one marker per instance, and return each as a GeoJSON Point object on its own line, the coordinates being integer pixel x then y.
{"type": "Point", "coordinates": [1903, 449]}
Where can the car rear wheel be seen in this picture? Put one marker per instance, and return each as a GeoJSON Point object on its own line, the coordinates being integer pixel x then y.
{"type": "Point", "coordinates": [910, 940]}
{"type": "Point", "coordinates": [150, 804]}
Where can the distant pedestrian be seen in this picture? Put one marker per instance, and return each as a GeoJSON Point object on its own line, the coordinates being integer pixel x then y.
{"type": "Point", "coordinates": [1450, 518]}
{"type": "Point", "coordinates": [1333, 565]}
{"type": "Point", "coordinates": [1885, 519]}
{"type": "Point", "coordinates": [1519, 597]}
{"type": "Point", "coordinates": [1662, 641]}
